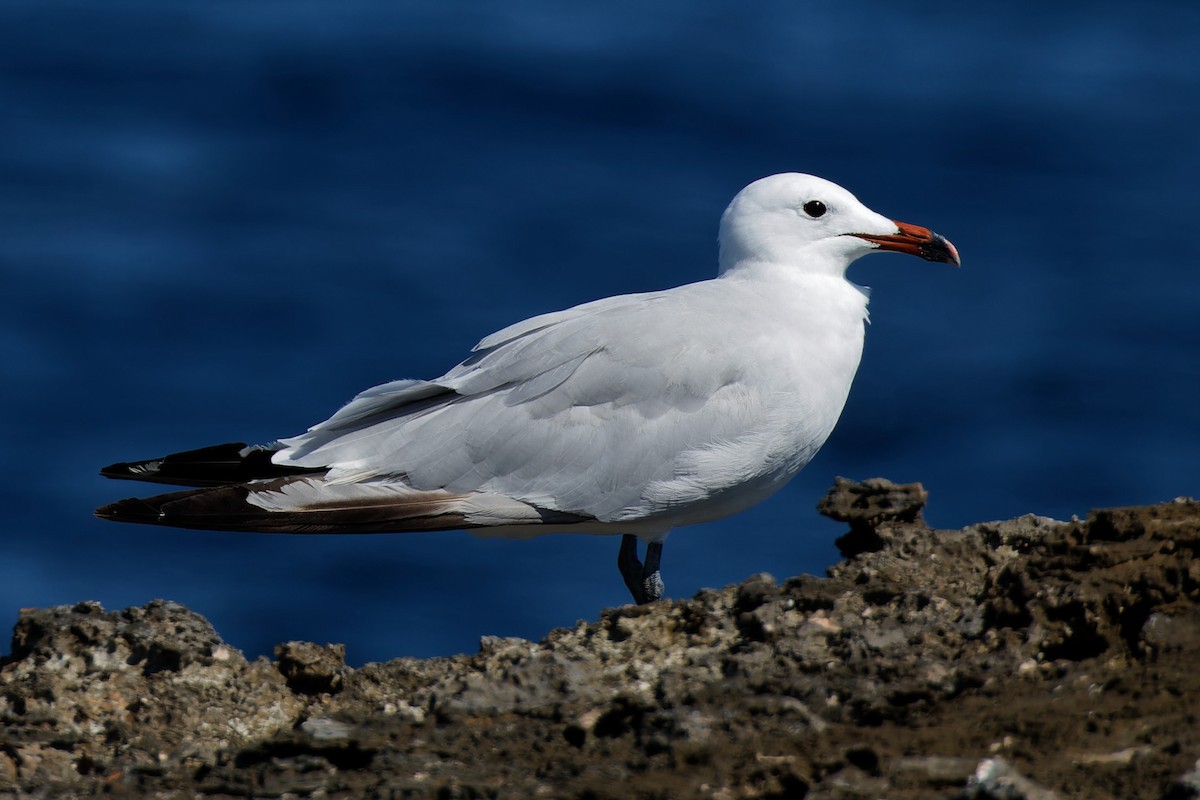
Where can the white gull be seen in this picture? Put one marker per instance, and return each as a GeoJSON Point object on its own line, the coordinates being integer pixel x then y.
{"type": "Point", "coordinates": [630, 415]}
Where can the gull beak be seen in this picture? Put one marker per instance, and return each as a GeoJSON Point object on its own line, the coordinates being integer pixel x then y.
{"type": "Point", "coordinates": [916, 241]}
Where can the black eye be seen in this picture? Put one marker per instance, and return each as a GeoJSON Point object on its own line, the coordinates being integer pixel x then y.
{"type": "Point", "coordinates": [814, 208]}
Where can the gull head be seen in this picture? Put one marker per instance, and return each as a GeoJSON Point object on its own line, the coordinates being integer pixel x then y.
{"type": "Point", "coordinates": [809, 224]}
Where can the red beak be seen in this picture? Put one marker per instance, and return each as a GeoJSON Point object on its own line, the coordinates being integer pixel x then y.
{"type": "Point", "coordinates": [916, 241]}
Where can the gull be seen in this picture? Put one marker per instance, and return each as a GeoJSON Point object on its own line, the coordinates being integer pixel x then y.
{"type": "Point", "coordinates": [629, 415]}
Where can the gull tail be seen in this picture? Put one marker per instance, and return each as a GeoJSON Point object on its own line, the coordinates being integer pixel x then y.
{"type": "Point", "coordinates": [310, 504]}
{"type": "Point", "coordinates": [219, 465]}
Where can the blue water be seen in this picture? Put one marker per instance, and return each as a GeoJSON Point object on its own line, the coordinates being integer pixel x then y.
{"type": "Point", "coordinates": [219, 220]}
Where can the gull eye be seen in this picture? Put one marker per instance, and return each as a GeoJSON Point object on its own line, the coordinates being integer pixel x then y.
{"type": "Point", "coordinates": [814, 208]}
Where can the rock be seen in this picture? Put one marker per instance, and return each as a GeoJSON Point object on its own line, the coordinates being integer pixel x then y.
{"type": "Point", "coordinates": [310, 668]}
{"type": "Point", "coordinates": [866, 506]}
{"type": "Point", "coordinates": [936, 770]}
{"type": "Point", "coordinates": [1186, 787]}
{"type": "Point", "coordinates": [925, 667]}
{"type": "Point", "coordinates": [995, 779]}
{"type": "Point", "coordinates": [92, 693]}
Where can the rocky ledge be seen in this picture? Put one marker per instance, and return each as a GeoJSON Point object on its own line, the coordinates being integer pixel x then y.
{"type": "Point", "coordinates": [1022, 659]}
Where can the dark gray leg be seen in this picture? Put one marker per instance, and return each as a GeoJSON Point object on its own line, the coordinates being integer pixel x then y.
{"type": "Point", "coordinates": [630, 566]}
{"type": "Point", "coordinates": [644, 580]}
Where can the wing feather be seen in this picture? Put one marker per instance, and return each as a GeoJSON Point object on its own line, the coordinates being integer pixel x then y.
{"type": "Point", "coordinates": [600, 411]}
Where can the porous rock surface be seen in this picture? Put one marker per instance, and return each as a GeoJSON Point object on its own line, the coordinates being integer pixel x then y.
{"type": "Point", "coordinates": [1022, 659]}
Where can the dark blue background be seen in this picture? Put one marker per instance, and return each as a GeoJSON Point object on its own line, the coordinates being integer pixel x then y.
{"type": "Point", "coordinates": [219, 220]}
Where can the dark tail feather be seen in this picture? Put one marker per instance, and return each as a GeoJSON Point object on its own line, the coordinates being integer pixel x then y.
{"type": "Point", "coordinates": [225, 508]}
{"type": "Point", "coordinates": [219, 465]}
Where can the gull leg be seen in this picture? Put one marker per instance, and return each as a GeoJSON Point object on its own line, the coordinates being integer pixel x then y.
{"type": "Point", "coordinates": [631, 567]}
{"type": "Point", "coordinates": [652, 582]}
{"type": "Point", "coordinates": [644, 580]}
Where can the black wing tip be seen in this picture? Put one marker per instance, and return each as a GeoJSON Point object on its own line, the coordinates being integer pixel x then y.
{"type": "Point", "coordinates": [226, 508]}
{"type": "Point", "coordinates": [218, 465]}
{"type": "Point", "coordinates": [158, 469]}
{"type": "Point", "coordinates": [122, 470]}
{"type": "Point", "coordinates": [179, 509]}
{"type": "Point", "coordinates": [132, 509]}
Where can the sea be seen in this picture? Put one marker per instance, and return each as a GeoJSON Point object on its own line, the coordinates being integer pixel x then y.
{"type": "Point", "coordinates": [220, 220]}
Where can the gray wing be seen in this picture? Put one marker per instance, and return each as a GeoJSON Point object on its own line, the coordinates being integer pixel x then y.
{"type": "Point", "coordinates": [614, 410]}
